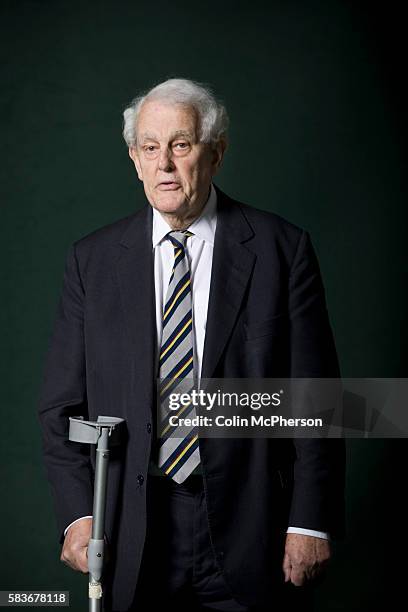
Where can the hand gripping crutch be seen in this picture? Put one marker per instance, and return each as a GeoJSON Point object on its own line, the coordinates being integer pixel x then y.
{"type": "Point", "coordinates": [105, 433]}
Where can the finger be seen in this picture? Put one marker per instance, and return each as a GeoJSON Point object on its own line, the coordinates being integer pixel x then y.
{"type": "Point", "coordinates": [76, 558]}
{"type": "Point", "coordinates": [286, 567]}
{"type": "Point", "coordinates": [69, 562]}
{"type": "Point", "coordinates": [297, 577]}
{"type": "Point", "coordinates": [311, 574]}
{"type": "Point", "coordinates": [316, 571]}
{"type": "Point", "coordinates": [82, 560]}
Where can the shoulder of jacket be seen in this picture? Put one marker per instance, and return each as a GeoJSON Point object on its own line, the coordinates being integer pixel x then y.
{"type": "Point", "coordinates": [262, 218]}
{"type": "Point", "coordinates": [106, 235]}
{"type": "Point", "coordinates": [267, 224]}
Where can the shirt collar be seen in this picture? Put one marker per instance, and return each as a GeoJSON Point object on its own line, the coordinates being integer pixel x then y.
{"type": "Point", "coordinates": [203, 227]}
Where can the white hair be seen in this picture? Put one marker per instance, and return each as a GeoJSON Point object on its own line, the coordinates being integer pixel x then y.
{"type": "Point", "coordinates": [212, 115]}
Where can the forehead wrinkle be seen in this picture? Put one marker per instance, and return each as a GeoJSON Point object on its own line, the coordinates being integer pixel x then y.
{"type": "Point", "coordinates": [151, 136]}
{"type": "Point", "coordinates": [148, 136]}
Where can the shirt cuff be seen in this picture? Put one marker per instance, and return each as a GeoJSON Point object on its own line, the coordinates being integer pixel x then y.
{"type": "Point", "coordinates": [310, 532]}
{"type": "Point", "coordinates": [76, 520]}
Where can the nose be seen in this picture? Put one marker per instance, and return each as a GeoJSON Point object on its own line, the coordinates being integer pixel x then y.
{"type": "Point", "coordinates": [165, 160]}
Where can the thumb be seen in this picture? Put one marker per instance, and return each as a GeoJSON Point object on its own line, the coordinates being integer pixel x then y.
{"type": "Point", "coordinates": [286, 566]}
{"type": "Point", "coordinates": [83, 560]}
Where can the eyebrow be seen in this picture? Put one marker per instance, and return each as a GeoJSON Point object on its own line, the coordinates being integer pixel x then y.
{"type": "Point", "coordinates": [150, 136]}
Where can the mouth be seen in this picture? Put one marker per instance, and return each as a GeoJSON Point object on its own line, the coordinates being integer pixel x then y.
{"type": "Point", "coordinates": [168, 186]}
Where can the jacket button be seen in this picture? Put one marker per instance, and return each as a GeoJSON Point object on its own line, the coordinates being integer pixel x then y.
{"type": "Point", "coordinates": [140, 479]}
{"type": "Point", "coordinates": [149, 428]}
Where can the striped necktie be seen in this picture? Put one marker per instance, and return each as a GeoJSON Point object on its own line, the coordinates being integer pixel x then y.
{"type": "Point", "coordinates": [178, 452]}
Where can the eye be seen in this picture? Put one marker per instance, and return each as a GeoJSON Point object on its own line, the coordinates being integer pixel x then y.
{"type": "Point", "coordinates": [150, 151]}
{"type": "Point", "coordinates": [181, 148]}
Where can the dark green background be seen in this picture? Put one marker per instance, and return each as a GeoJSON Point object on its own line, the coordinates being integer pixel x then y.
{"type": "Point", "coordinates": [318, 134]}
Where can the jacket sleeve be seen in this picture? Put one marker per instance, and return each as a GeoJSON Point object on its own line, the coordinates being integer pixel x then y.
{"type": "Point", "coordinates": [63, 394]}
{"type": "Point", "coordinates": [319, 470]}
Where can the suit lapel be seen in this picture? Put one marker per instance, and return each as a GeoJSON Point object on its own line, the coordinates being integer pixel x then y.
{"type": "Point", "coordinates": [136, 282]}
{"type": "Point", "coordinates": [231, 270]}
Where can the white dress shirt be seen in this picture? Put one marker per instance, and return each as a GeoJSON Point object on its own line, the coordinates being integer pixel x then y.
{"type": "Point", "coordinates": [199, 249]}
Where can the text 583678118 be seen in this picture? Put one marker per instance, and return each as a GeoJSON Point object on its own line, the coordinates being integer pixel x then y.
{"type": "Point", "coordinates": [34, 598]}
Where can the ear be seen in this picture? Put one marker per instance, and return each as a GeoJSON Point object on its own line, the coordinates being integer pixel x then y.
{"type": "Point", "coordinates": [218, 154]}
{"type": "Point", "coordinates": [135, 159]}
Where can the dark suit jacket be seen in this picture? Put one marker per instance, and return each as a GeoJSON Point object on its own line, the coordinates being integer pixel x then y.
{"type": "Point", "coordinates": [266, 318]}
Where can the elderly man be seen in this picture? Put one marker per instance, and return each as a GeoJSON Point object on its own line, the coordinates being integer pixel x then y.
{"type": "Point", "coordinates": [193, 284]}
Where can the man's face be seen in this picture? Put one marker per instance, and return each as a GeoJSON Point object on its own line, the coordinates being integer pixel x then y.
{"type": "Point", "coordinates": [175, 168]}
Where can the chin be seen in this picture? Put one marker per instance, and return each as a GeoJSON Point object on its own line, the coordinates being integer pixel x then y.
{"type": "Point", "coordinates": [169, 204]}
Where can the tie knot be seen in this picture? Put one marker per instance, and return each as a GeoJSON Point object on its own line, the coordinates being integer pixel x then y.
{"type": "Point", "coordinates": [179, 238]}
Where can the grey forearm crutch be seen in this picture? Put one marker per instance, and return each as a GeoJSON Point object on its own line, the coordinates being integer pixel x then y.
{"type": "Point", "coordinates": [105, 433]}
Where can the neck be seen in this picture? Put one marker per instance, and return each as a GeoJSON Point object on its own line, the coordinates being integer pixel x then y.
{"type": "Point", "coordinates": [182, 220]}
